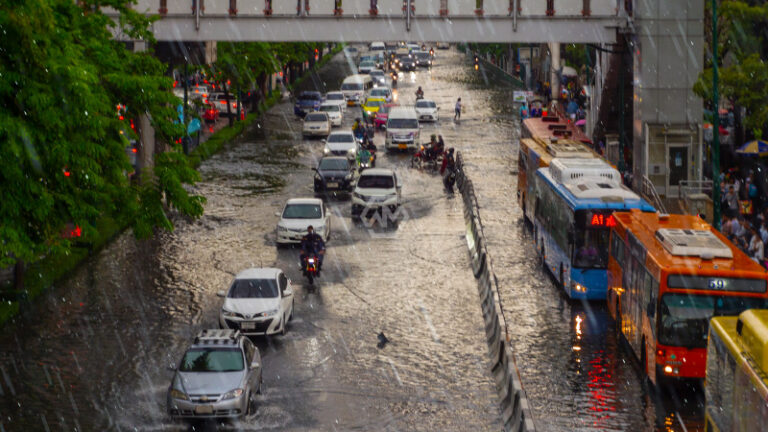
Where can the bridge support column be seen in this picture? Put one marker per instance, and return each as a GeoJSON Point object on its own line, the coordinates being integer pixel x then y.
{"type": "Point", "coordinates": [667, 54]}
{"type": "Point", "coordinates": [554, 68]}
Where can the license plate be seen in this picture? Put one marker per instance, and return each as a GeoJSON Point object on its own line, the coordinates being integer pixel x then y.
{"type": "Point", "coordinates": [332, 185]}
{"type": "Point", "coordinates": [402, 146]}
{"type": "Point", "coordinates": [204, 409]}
{"type": "Point", "coordinates": [247, 325]}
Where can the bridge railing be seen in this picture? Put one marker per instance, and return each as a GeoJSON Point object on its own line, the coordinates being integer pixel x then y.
{"type": "Point", "coordinates": [386, 8]}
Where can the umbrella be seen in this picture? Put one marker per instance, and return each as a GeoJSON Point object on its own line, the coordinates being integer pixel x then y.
{"type": "Point", "coordinates": [754, 148]}
{"type": "Point", "coordinates": [581, 122]}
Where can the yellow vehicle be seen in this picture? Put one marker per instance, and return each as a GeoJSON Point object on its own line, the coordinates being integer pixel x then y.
{"type": "Point", "coordinates": [737, 372]}
{"type": "Point", "coordinates": [372, 105]}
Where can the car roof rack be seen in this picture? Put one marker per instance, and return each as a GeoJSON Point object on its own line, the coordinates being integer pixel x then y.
{"type": "Point", "coordinates": [218, 337]}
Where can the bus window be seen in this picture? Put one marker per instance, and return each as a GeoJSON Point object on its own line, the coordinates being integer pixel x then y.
{"type": "Point", "coordinates": [685, 318]}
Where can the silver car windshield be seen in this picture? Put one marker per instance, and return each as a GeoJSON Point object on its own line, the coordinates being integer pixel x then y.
{"type": "Point", "coordinates": [212, 360]}
{"type": "Point", "coordinates": [302, 211]}
{"type": "Point", "coordinates": [315, 117]}
{"type": "Point", "coordinates": [341, 138]}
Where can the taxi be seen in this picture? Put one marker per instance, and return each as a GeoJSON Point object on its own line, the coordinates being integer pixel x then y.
{"type": "Point", "coordinates": [372, 104]}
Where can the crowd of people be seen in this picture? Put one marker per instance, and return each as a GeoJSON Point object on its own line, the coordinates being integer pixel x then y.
{"type": "Point", "coordinates": [745, 213]}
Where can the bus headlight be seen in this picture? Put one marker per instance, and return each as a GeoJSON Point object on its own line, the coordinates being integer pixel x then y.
{"type": "Point", "coordinates": [578, 287]}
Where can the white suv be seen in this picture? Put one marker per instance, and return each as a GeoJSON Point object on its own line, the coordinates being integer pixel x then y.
{"type": "Point", "coordinates": [259, 302]}
{"type": "Point", "coordinates": [377, 189]}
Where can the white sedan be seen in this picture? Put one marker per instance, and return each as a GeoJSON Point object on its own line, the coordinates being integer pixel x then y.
{"type": "Point", "coordinates": [336, 97]}
{"type": "Point", "coordinates": [427, 110]}
{"type": "Point", "coordinates": [334, 112]}
{"type": "Point", "coordinates": [259, 302]}
{"type": "Point", "coordinates": [316, 124]}
{"type": "Point", "coordinates": [297, 215]}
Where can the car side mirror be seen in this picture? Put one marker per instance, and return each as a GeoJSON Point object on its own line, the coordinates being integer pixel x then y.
{"type": "Point", "coordinates": [314, 169]}
{"type": "Point", "coordinates": [287, 292]}
{"type": "Point", "coordinates": [221, 293]}
{"type": "Point", "coordinates": [255, 365]}
{"type": "Point", "coordinates": [171, 367]}
{"type": "Point", "coordinates": [324, 140]}
{"type": "Point", "coordinates": [277, 214]}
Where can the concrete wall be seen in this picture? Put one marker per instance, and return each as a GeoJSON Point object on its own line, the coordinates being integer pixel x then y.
{"type": "Point", "coordinates": [668, 53]}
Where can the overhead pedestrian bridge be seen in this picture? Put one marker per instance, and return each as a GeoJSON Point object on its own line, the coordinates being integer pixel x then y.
{"type": "Point", "coordinates": [507, 21]}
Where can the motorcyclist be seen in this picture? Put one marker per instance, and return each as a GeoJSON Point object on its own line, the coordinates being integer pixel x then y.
{"type": "Point", "coordinates": [419, 93]}
{"type": "Point", "coordinates": [448, 162]}
{"type": "Point", "coordinates": [440, 147]}
{"type": "Point", "coordinates": [429, 151]}
{"type": "Point", "coordinates": [358, 128]}
{"type": "Point", "coordinates": [312, 244]}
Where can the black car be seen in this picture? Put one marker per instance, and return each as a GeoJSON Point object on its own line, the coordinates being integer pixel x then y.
{"type": "Point", "coordinates": [407, 62]}
{"type": "Point", "coordinates": [334, 173]}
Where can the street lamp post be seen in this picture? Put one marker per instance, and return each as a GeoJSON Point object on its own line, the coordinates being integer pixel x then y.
{"type": "Point", "coordinates": [715, 124]}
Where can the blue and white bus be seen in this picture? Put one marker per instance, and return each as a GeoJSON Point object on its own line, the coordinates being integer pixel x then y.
{"type": "Point", "coordinates": [573, 212]}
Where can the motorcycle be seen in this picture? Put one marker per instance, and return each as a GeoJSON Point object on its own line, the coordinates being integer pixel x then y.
{"type": "Point", "coordinates": [367, 158]}
{"type": "Point", "coordinates": [311, 267]}
{"type": "Point", "coordinates": [423, 158]}
{"type": "Point", "coordinates": [450, 179]}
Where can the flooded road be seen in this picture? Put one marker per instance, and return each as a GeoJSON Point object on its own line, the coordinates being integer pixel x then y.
{"type": "Point", "coordinates": [576, 374]}
{"type": "Point", "coordinates": [94, 353]}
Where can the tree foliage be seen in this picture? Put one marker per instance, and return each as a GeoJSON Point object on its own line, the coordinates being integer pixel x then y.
{"type": "Point", "coordinates": [63, 146]}
{"type": "Point", "coordinates": [742, 44]}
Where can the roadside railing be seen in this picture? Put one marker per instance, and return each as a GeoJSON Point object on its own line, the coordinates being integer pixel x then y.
{"type": "Point", "coordinates": [648, 191]}
{"type": "Point", "coordinates": [516, 412]}
{"type": "Point", "coordinates": [689, 187]}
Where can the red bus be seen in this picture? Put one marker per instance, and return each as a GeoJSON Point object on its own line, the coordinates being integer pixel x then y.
{"type": "Point", "coordinates": [667, 276]}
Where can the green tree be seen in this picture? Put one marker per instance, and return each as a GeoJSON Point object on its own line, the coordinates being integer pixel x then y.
{"type": "Point", "coordinates": [62, 76]}
{"type": "Point", "coordinates": [743, 42]}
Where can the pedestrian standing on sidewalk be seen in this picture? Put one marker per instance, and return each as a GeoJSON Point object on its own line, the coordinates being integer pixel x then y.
{"type": "Point", "coordinates": [457, 113]}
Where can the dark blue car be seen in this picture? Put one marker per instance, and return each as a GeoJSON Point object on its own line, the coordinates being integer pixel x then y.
{"type": "Point", "coordinates": [306, 102]}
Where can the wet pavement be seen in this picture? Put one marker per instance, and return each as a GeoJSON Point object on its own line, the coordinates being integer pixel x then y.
{"type": "Point", "coordinates": [93, 353]}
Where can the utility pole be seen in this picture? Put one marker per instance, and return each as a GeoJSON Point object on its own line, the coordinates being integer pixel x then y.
{"type": "Point", "coordinates": [715, 124]}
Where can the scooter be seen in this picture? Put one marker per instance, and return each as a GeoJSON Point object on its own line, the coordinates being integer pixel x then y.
{"type": "Point", "coordinates": [421, 159]}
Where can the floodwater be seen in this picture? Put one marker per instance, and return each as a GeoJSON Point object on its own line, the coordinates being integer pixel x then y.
{"type": "Point", "coordinates": [93, 354]}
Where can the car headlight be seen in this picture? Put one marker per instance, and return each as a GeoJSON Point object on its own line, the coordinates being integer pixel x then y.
{"type": "Point", "coordinates": [318, 177]}
{"type": "Point", "coordinates": [320, 228]}
{"type": "Point", "coordinates": [232, 394]}
{"type": "Point", "coordinates": [229, 314]}
{"type": "Point", "coordinates": [282, 228]}
{"type": "Point", "coordinates": [269, 313]}
{"type": "Point", "coordinates": [348, 177]}
{"type": "Point", "coordinates": [351, 152]}
{"type": "Point", "coordinates": [178, 394]}
{"type": "Point", "coordinates": [326, 150]}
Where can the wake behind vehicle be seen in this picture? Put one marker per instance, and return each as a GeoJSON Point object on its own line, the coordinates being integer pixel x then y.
{"type": "Point", "coordinates": [307, 101]}
{"type": "Point", "coordinates": [311, 267]}
{"type": "Point", "coordinates": [259, 302]}
{"type": "Point", "coordinates": [216, 378]}
{"type": "Point", "coordinates": [377, 189]}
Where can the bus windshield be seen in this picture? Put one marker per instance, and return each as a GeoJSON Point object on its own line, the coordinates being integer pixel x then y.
{"type": "Point", "coordinates": [590, 242]}
{"type": "Point", "coordinates": [684, 319]}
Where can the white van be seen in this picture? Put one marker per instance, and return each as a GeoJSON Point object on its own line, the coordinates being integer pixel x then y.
{"type": "Point", "coordinates": [402, 129]}
{"type": "Point", "coordinates": [377, 47]}
{"type": "Point", "coordinates": [355, 88]}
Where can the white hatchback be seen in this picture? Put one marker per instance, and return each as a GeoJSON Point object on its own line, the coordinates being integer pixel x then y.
{"type": "Point", "coordinates": [316, 124]}
{"type": "Point", "coordinates": [297, 215]}
{"type": "Point", "coordinates": [427, 110]}
{"type": "Point", "coordinates": [259, 302]}
{"type": "Point", "coordinates": [334, 112]}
